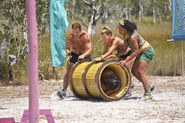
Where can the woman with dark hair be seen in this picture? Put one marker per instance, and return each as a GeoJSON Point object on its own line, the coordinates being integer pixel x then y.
{"type": "Point", "coordinates": [143, 52]}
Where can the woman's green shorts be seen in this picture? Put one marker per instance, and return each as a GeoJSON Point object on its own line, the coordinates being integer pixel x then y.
{"type": "Point", "coordinates": [146, 54]}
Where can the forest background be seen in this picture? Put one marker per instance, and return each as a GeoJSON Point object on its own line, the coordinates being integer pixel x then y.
{"type": "Point", "coordinates": [153, 18]}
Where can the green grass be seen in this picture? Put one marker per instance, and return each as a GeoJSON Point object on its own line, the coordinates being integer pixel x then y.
{"type": "Point", "coordinates": [167, 59]}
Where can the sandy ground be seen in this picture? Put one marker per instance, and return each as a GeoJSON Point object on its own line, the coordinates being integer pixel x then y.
{"type": "Point", "coordinates": [168, 104]}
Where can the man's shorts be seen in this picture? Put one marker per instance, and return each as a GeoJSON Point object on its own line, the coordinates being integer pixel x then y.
{"type": "Point", "coordinates": [75, 56]}
{"type": "Point", "coordinates": [146, 54]}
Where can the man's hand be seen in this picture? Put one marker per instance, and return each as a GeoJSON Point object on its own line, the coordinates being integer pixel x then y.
{"type": "Point", "coordinates": [68, 53]}
{"type": "Point", "coordinates": [81, 57]}
{"type": "Point", "coordinates": [121, 63]}
{"type": "Point", "coordinates": [69, 58]}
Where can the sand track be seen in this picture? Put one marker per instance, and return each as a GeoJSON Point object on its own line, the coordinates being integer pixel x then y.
{"type": "Point", "coordinates": [168, 104]}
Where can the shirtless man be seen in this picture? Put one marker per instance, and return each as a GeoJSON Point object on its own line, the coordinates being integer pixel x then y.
{"type": "Point", "coordinates": [78, 46]}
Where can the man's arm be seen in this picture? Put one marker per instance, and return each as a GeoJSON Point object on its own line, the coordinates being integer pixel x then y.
{"type": "Point", "coordinates": [68, 45]}
{"type": "Point", "coordinates": [88, 47]}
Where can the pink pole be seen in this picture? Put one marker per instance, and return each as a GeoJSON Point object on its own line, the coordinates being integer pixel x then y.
{"type": "Point", "coordinates": [32, 61]}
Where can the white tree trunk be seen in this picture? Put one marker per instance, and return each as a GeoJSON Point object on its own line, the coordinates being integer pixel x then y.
{"type": "Point", "coordinates": [154, 11]}
{"type": "Point", "coordinates": [104, 17]}
{"type": "Point", "coordinates": [91, 29]}
{"type": "Point", "coordinates": [3, 48]}
{"type": "Point", "coordinates": [96, 14]}
{"type": "Point", "coordinates": [19, 47]}
{"type": "Point", "coordinates": [73, 4]}
{"type": "Point", "coordinates": [128, 13]}
{"type": "Point", "coordinates": [170, 5]}
{"type": "Point", "coordinates": [159, 15]}
{"type": "Point", "coordinates": [140, 10]}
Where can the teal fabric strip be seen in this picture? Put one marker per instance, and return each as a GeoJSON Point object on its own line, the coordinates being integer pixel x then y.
{"type": "Point", "coordinates": [58, 25]}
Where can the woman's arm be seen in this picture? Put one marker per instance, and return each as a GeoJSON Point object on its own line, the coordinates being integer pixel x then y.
{"type": "Point", "coordinates": [125, 45]}
{"type": "Point", "coordinates": [134, 43]}
{"type": "Point", "coordinates": [111, 50]}
{"type": "Point", "coordinates": [105, 49]}
{"type": "Point", "coordinates": [107, 52]}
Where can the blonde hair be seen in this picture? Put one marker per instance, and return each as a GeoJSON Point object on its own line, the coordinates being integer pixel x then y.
{"type": "Point", "coordinates": [106, 30]}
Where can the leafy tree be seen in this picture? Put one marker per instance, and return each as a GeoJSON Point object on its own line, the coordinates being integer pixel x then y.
{"type": "Point", "coordinates": [13, 37]}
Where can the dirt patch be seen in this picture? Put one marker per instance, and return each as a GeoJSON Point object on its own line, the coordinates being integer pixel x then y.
{"type": "Point", "coordinates": [168, 104]}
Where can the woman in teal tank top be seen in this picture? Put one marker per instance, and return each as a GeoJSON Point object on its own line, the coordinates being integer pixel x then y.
{"type": "Point", "coordinates": [143, 52]}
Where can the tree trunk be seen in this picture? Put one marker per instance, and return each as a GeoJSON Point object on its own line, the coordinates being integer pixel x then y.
{"type": "Point", "coordinates": [97, 13]}
{"type": "Point", "coordinates": [104, 17]}
{"type": "Point", "coordinates": [91, 29]}
{"type": "Point", "coordinates": [128, 13]}
{"type": "Point", "coordinates": [85, 12]}
{"type": "Point", "coordinates": [140, 10]}
{"type": "Point", "coordinates": [154, 11]}
{"type": "Point", "coordinates": [73, 4]}
{"type": "Point", "coordinates": [19, 47]}
{"type": "Point", "coordinates": [170, 5]}
{"type": "Point", "coordinates": [3, 48]}
{"type": "Point", "coordinates": [159, 15]}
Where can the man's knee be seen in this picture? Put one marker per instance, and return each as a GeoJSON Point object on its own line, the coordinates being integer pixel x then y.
{"type": "Point", "coordinates": [68, 72]}
{"type": "Point", "coordinates": [69, 67]}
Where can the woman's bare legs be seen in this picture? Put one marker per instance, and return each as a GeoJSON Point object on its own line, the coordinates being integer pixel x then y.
{"type": "Point", "coordinates": [139, 69]}
{"type": "Point", "coordinates": [130, 63]}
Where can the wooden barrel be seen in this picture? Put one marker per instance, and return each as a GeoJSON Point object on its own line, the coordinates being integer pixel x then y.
{"type": "Point", "coordinates": [105, 80]}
